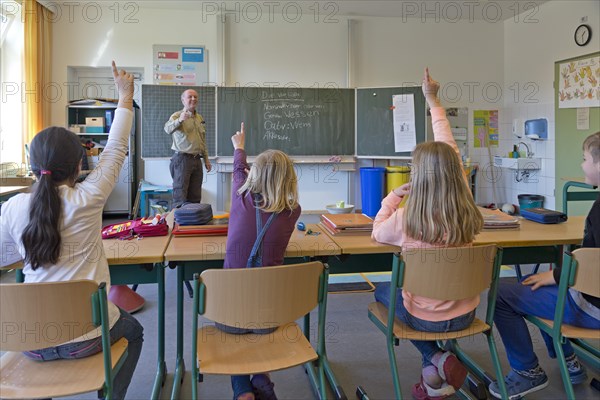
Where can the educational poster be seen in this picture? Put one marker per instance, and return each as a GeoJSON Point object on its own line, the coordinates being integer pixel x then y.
{"type": "Point", "coordinates": [485, 127]}
{"type": "Point", "coordinates": [181, 65]}
{"type": "Point", "coordinates": [578, 83]}
{"type": "Point", "coordinates": [405, 134]}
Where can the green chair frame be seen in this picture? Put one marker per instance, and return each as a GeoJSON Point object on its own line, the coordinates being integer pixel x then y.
{"type": "Point", "coordinates": [584, 349]}
{"type": "Point", "coordinates": [588, 195]}
{"type": "Point", "coordinates": [316, 369]}
{"type": "Point", "coordinates": [53, 300]}
{"type": "Point", "coordinates": [397, 280]}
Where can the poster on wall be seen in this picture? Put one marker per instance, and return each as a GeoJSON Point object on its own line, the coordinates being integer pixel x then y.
{"type": "Point", "coordinates": [184, 65]}
{"type": "Point", "coordinates": [485, 127]}
{"type": "Point", "coordinates": [578, 83]}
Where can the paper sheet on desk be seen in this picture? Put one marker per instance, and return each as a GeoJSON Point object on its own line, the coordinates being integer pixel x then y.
{"type": "Point", "coordinates": [405, 134]}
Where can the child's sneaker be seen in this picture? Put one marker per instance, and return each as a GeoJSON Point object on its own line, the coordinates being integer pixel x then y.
{"type": "Point", "coordinates": [518, 385]}
{"type": "Point", "coordinates": [263, 387]}
{"type": "Point", "coordinates": [577, 372]}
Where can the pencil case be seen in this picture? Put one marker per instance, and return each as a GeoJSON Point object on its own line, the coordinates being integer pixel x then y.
{"type": "Point", "coordinates": [543, 215]}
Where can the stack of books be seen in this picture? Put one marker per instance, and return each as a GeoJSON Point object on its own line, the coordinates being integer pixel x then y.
{"type": "Point", "coordinates": [496, 219]}
{"type": "Point", "coordinates": [346, 224]}
{"type": "Point", "coordinates": [216, 227]}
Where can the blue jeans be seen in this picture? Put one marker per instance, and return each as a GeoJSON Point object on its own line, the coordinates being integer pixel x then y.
{"type": "Point", "coordinates": [127, 327]}
{"type": "Point", "coordinates": [427, 348]}
{"type": "Point", "coordinates": [241, 383]}
{"type": "Point", "coordinates": [515, 300]}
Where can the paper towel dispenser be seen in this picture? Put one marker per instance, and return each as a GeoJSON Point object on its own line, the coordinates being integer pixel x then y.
{"type": "Point", "coordinates": [536, 129]}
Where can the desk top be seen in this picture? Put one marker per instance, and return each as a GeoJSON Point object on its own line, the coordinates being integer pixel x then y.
{"type": "Point", "coordinates": [535, 234]}
{"type": "Point", "coordinates": [530, 234]}
{"type": "Point", "coordinates": [204, 248]}
{"type": "Point", "coordinates": [6, 190]}
{"type": "Point", "coordinates": [148, 250]}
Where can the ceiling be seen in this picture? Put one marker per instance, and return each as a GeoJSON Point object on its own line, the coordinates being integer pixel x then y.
{"type": "Point", "coordinates": [492, 10]}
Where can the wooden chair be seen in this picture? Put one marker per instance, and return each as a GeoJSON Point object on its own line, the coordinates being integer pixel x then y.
{"type": "Point", "coordinates": [581, 272]}
{"type": "Point", "coordinates": [259, 298]}
{"type": "Point", "coordinates": [39, 315]}
{"type": "Point", "coordinates": [445, 274]}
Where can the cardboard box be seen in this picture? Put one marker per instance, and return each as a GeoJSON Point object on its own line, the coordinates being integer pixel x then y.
{"type": "Point", "coordinates": [94, 121]}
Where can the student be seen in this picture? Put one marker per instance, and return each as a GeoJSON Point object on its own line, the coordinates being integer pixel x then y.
{"type": "Point", "coordinates": [264, 196]}
{"type": "Point", "coordinates": [189, 143]}
{"type": "Point", "coordinates": [439, 212]}
{"type": "Point", "coordinates": [56, 228]}
{"type": "Point", "coordinates": [537, 295]}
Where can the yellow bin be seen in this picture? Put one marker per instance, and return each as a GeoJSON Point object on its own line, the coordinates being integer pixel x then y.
{"type": "Point", "coordinates": [396, 176]}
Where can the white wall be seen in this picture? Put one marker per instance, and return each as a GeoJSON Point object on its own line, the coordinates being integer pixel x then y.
{"type": "Point", "coordinates": [470, 58]}
{"type": "Point", "coordinates": [532, 45]}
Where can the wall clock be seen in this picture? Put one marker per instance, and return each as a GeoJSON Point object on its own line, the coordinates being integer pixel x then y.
{"type": "Point", "coordinates": [583, 35]}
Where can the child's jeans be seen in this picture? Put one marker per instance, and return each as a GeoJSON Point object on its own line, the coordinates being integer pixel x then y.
{"type": "Point", "coordinates": [427, 348]}
{"type": "Point", "coordinates": [516, 300]}
{"type": "Point", "coordinates": [127, 327]}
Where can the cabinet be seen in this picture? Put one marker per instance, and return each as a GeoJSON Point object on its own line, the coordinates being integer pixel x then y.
{"type": "Point", "coordinates": [91, 120]}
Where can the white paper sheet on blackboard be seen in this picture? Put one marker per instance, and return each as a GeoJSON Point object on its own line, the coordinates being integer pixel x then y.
{"type": "Point", "coordinates": [405, 133]}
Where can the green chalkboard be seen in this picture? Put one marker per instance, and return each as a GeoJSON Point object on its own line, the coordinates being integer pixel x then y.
{"type": "Point", "coordinates": [298, 121]}
{"type": "Point", "coordinates": [375, 124]}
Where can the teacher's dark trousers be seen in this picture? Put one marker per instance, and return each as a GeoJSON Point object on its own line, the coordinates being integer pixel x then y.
{"type": "Point", "coordinates": [187, 173]}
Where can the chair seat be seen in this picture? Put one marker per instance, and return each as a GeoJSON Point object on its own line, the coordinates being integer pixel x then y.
{"type": "Point", "coordinates": [222, 353]}
{"type": "Point", "coordinates": [403, 331]}
{"type": "Point", "coordinates": [570, 331]}
{"type": "Point", "coordinates": [23, 378]}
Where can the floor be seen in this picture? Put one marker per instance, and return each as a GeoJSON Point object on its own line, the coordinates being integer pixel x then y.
{"type": "Point", "coordinates": [355, 347]}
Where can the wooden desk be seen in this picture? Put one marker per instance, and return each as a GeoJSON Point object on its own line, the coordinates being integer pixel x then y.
{"type": "Point", "coordinates": [196, 253]}
{"type": "Point", "coordinates": [7, 192]}
{"type": "Point", "coordinates": [533, 243]}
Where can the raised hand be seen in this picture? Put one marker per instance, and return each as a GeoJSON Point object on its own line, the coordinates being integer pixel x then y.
{"type": "Point", "coordinates": [430, 89]}
{"type": "Point", "coordinates": [239, 138]}
{"type": "Point", "coordinates": [124, 85]}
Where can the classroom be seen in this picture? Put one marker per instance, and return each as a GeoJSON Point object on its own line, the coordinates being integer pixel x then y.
{"type": "Point", "coordinates": [487, 55]}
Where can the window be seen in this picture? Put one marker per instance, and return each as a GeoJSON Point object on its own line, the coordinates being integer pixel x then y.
{"type": "Point", "coordinates": [11, 73]}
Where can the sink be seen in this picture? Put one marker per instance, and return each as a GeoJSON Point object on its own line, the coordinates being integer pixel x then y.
{"type": "Point", "coordinates": [518, 163]}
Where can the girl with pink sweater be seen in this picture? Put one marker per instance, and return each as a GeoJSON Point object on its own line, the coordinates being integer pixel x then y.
{"type": "Point", "coordinates": [440, 212]}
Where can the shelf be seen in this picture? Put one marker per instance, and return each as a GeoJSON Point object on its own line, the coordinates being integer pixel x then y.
{"type": "Point", "coordinates": [518, 163]}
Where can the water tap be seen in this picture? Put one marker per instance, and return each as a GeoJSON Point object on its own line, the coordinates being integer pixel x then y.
{"type": "Point", "coordinates": [528, 153]}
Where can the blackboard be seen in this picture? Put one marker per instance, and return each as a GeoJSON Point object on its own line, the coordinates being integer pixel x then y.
{"type": "Point", "coordinates": [374, 120]}
{"type": "Point", "coordinates": [158, 103]}
{"type": "Point", "coordinates": [298, 121]}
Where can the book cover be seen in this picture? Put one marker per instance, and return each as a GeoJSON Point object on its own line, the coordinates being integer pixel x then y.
{"type": "Point", "coordinates": [496, 219]}
{"type": "Point", "coordinates": [342, 221]}
{"type": "Point", "coordinates": [325, 226]}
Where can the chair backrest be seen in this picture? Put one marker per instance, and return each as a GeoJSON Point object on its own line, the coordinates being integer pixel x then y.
{"type": "Point", "coordinates": [587, 277]}
{"type": "Point", "coordinates": [585, 195]}
{"type": "Point", "coordinates": [261, 297]}
{"type": "Point", "coordinates": [39, 315]}
{"type": "Point", "coordinates": [449, 273]}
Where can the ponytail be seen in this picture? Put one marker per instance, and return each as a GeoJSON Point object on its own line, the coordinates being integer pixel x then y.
{"type": "Point", "coordinates": [55, 155]}
{"type": "Point", "coordinates": [41, 237]}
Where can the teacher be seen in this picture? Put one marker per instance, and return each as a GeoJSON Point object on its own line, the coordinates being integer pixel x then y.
{"type": "Point", "coordinates": [189, 143]}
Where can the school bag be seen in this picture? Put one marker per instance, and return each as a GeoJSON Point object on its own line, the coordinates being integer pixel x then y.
{"type": "Point", "coordinates": [193, 214]}
{"type": "Point", "coordinates": [140, 227]}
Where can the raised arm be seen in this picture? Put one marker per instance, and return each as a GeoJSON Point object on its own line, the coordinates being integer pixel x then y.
{"type": "Point", "coordinates": [240, 166]}
{"type": "Point", "coordinates": [104, 177]}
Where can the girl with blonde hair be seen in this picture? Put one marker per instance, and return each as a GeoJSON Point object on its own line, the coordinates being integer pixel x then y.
{"type": "Point", "coordinates": [440, 212]}
{"type": "Point", "coordinates": [263, 215]}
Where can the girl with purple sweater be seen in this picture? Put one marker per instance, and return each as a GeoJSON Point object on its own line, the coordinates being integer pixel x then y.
{"type": "Point", "coordinates": [264, 196]}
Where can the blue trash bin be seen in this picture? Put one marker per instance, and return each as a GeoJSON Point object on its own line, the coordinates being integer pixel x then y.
{"type": "Point", "coordinates": [372, 183]}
